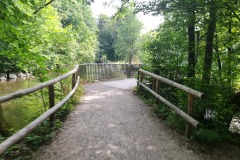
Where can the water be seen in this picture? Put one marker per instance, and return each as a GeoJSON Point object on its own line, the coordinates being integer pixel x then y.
{"type": "Point", "coordinates": [21, 111]}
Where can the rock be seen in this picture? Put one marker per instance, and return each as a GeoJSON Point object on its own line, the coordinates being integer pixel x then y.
{"type": "Point", "coordinates": [3, 78]}
{"type": "Point", "coordinates": [28, 75]}
{"type": "Point", "coordinates": [3, 75]}
{"type": "Point", "coordinates": [12, 76]}
{"type": "Point", "coordinates": [21, 75]}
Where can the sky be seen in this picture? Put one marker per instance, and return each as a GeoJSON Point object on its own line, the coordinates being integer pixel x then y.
{"type": "Point", "coordinates": [150, 22]}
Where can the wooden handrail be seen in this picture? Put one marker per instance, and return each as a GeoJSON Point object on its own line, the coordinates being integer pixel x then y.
{"type": "Point", "coordinates": [23, 92]}
{"type": "Point", "coordinates": [191, 93]}
{"type": "Point", "coordinates": [173, 107]}
{"type": "Point", "coordinates": [172, 83]}
{"type": "Point", "coordinates": [49, 113]}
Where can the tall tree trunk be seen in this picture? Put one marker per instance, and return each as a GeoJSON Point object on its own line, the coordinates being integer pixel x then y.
{"type": "Point", "coordinates": [229, 58]}
{"type": "Point", "coordinates": [218, 60]}
{"type": "Point", "coordinates": [191, 41]}
{"type": "Point", "coordinates": [207, 66]}
{"type": "Point", "coordinates": [197, 46]}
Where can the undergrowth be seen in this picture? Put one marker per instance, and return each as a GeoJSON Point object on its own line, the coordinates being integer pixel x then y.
{"type": "Point", "coordinates": [44, 133]}
{"type": "Point", "coordinates": [210, 133]}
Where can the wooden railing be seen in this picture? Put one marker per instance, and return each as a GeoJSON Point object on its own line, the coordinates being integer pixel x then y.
{"type": "Point", "coordinates": [102, 71]}
{"type": "Point", "coordinates": [48, 114]}
{"type": "Point", "coordinates": [191, 94]}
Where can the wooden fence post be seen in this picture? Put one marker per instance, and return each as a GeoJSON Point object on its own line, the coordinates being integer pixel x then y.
{"type": "Point", "coordinates": [153, 84]}
{"type": "Point", "coordinates": [138, 77]}
{"type": "Point", "coordinates": [156, 90]}
{"type": "Point", "coordinates": [51, 103]}
{"type": "Point", "coordinates": [189, 127]}
{"type": "Point", "coordinates": [141, 80]}
{"type": "Point", "coordinates": [73, 80]}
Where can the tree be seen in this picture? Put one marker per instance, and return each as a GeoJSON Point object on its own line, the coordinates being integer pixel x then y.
{"type": "Point", "coordinates": [106, 37]}
{"type": "Point", "coordinates": [207, 66]}
{"type": "Point", "coordinates": [77, 18]}
{"type": "Point", "coordinates": [211, 52]}
{"type": "Point", "coordinates": [128, 33]}
{"type": "Point", "coordinates": [33, 37]}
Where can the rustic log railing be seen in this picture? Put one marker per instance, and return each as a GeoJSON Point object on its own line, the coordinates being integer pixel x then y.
{"type": "Point", "coordinates": [191, 94]}
{"type": "Point", "coordinates": [49, 113]}
{"type": "Point", "coordinates": [102, 71]}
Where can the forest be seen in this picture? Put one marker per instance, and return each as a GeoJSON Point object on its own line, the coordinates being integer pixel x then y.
{"type": "Point", "coordinates": [197, 45]}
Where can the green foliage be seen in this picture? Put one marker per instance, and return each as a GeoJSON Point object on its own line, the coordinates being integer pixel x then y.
{"type": "Point", "coordinates": [119, 36]}
{"type": "Point", "coordinates": [57, 36]}
{"type": "Point", "coordinates": [207, 136]}
{"type": "Point", "coordinates": [214, 62]}
{"type": "Point", "coordinates": [106, 37]}
{"type": "Point", "coordinates": [128, 34]}
{"type": "Point", "coordinates": [81, 29]}
{"type": "Point", "coordinates": [175, 121]}
{"type": "Point", "coordinates": [44, 133]}
{"type": "Point", "coordinates": [61, 33]}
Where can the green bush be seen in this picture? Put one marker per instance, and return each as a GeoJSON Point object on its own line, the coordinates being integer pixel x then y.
{"type": "Point", "coordinates": [207, 136]}
{"type": "Point", "coordinates": [175, 121]}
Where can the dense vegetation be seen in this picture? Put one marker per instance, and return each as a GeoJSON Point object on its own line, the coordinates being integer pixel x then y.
{"type": "Point", "coordinates": [198, 45]}
{"type": "Point", "coordinates": [46, 38]}
{"type": "Point", "coordinates": [119, 36]}
{"type": "Point", "coordinates": [33, 39]}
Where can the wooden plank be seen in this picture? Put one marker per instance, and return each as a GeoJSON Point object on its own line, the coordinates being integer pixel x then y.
{"type": "Point", "coordinates": [23, 92]}
{"type": "Point", "coordinates": [26, 130]}
{"type": "Point", "coordinates": [174, 84]}
{"type": "Point", "coordinates": [188, 131]}
{"type": "Point", "coordinates": [173, 107]}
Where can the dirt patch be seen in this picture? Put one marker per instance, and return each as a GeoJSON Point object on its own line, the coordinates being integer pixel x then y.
{"type": "Point", "coordinates": [113, 123]}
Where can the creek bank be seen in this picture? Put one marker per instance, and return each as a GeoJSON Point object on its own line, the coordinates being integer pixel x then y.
{"type": "Point", "coordinates": [14, 76]}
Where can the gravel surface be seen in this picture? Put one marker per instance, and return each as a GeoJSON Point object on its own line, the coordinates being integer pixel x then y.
{"type": "Point", "coordinates": [113, 123]}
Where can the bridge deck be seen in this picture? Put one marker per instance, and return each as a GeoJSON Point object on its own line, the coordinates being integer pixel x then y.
{"type": "Point", "coordinates": [113, 123]}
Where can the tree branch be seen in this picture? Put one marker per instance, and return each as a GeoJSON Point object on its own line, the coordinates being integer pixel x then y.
{"type": "Point", "coordinates": [235, 14]}
{"type": "Point", "coordinates": [231, 9]}
{"type": "Point", "coordinates": [121, 8]}
{"type": "Point", "coordinates": [45, 5]}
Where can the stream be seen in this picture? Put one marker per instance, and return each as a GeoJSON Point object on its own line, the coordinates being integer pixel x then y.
{"type": "Point", "coordinates": [19, 112]}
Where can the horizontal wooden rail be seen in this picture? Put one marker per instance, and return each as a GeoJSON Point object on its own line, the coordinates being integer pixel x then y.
{"type": "Point", "coordinates": [26, 130]}
{"type": "Point", "coordinates": [179, 86]}
{"type": "Point", "coordinates": [103, 71]}
{"type": "Point", "coordinates": [173, 107]}
{"type": "Point", "coordinates": [23, 92]}
{"type": "Point", "coordinates": [191, 93]}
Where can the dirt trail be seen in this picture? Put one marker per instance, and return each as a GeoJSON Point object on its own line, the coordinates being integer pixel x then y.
{"type": "Point", "coordinates": [113, 123]}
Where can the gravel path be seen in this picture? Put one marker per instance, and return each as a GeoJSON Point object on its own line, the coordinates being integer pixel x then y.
{"type": "Point", "coordinates": [113, 123]}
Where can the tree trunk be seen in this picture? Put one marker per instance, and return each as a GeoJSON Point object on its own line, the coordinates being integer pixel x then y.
{"type": "Point", "coordinates": [197, 46]}
{"type": "Point", "coordinates": [218, 60]}
{"type": "Point", "coordinates": [229, 58]}
{"type": "Point", "coordinates": [191, 41]}
{"type": "Point", "coordinates": [191, 52]}
{"type": "Point", "coordinates": [130, 59]}
{"type": "Point", "coordinates": [207, 66]}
